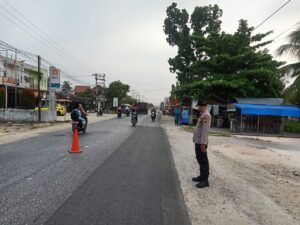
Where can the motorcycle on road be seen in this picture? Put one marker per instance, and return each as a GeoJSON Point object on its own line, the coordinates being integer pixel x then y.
{"type": "Point", "coordinates": [76, 124]}
{"type": "Point", "coordinates": [119, 113]}
{"type": "Point", "coordinates": [134, 119]}
{"type": "Point", "coordinates": [153, 116]}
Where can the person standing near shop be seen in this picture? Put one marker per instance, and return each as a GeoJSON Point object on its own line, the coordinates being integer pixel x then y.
{"type": "Point", "coordinates": [177, 114]}
{"type": "Point", "coordinates": [200, 139]}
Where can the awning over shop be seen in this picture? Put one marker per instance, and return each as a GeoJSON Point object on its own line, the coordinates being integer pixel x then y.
{"type": "Point", "coordinates": [269, 110]}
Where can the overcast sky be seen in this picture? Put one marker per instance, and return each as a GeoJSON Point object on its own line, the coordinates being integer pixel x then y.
{"type": "Point", "coordinates": [125, 38]}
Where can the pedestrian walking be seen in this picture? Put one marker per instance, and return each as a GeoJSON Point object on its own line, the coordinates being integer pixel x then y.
{"type": "Point", "coordinates": [177, 113]}
{"type": "Point", "coordinates": [200, 139]}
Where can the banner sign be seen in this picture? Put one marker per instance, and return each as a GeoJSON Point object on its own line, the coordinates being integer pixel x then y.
{"type": "Point", "coordinates": [115, 102]}
{"type": "Point", "coordinates": [8, 80]}
{"type": "Point", "coordinates": [54, 78]}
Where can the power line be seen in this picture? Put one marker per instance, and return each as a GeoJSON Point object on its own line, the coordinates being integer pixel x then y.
{"type": "Point", "coordinates": [46, 35]}
{"type": "Point", "coordinates": [65, 74]}
{"type": "Point", "coordinates": [283, 32]}
{"type": "Point", "coordinates": [31, 56]}
{"type": "Point", "coordinates": [272, 14]}
{"type": "Point", "coordinates": [274, 41]}
{"type": "Point", "coordinates": [42, 41]}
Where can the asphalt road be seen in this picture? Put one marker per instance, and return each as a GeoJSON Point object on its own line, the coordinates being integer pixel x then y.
{"type": "Point", "coordinates": [124, 176]}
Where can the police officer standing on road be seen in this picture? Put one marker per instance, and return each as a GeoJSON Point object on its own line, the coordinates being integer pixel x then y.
{"type": "Point", "coordinates": [200, 139]}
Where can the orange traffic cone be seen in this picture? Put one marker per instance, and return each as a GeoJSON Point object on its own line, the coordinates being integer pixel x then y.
{"type": "Point", "coordinates": [75, 144]}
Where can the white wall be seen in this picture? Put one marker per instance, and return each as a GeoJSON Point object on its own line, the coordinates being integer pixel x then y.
{"type": "Point", "coordinates": [25, 115]}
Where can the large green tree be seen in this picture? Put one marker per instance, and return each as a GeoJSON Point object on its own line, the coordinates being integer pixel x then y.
{"type": "Point", "coordinates": [117, 89]}
{"type": "Point", "coordinates": [212, 62]}
{"type": "Point", "coordinates": [292, 93]}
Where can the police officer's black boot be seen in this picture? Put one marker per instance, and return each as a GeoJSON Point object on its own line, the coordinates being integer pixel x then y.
{"type": "Point", "coordinates": [197, 179]}
{"type": "Point", "coordinates": [202, 184]}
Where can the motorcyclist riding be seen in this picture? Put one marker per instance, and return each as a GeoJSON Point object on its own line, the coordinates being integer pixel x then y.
{"type": "Point", "coordinates": [119, 112]}
{"type": "Point", "coordinates": [134, 113]}
{"type": "Point", "coordinates": [81, 113]}
{"type": "Point", "coordinates": [153, 114]}
{"type": "Point", "coordinates": [127, 110]}
{"type": "Point", "coordinates": [77, 115]}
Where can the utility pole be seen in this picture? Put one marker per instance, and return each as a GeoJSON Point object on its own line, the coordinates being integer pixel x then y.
{"type": "Point", "coordinates": [39, 89]}
{"type": "Point", "coordinates": [16, 88]}
{"type": "Point", "coordinates": [101, 78]}
{"type": "Point", "coordinates": [5, 74]}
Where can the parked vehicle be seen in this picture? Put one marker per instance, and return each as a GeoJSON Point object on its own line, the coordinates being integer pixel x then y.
{"type": "Point", "coordinates": [60, 110]}
{"type": "Point", "coordinates": [142, 107]}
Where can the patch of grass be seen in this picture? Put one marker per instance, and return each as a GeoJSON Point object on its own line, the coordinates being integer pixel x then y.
{"type": "Point", "coordinates": [292, 126]}
{"type": "Point", "coordinates": [220, 134]}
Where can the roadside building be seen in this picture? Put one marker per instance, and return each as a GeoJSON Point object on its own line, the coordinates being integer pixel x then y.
{"type": "Point", "coordinates": [18, 75]}
{"type": "Point", "coordinates": [217, 108]}
{"type": "Point", "coordinates": [261, 115]}
{"type": "Point", "coordinates": [79, 89]}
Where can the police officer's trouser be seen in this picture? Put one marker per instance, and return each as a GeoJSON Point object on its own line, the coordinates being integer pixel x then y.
{"type": "Point", "coordinates": [202, 161]}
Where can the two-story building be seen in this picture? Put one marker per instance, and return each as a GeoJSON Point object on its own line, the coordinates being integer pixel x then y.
{"type": "Point", "coordinates": [18, 75]}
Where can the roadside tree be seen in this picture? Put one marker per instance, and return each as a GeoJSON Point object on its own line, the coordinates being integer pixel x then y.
{"type": "Point", "coordinates": [212, 62]}
{"type": "Point", "coordinates": [117, 89]}
{"type": "Point", "coordinates": [292, 49]}
{"type": "Point", "coordinates": [66, 87]}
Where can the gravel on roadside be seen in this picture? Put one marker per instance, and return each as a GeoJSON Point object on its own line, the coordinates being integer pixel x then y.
{"type": "Point", "coordinates": [252, 182]}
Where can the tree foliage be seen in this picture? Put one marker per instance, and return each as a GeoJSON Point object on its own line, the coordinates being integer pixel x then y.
{"type": "Point", "coordinates": [66, 87]}
{"type": "Point", "coordinates": [292, 93]}
{"type": "Point", "coordinates": [118, 90]}
{"type": "Point", "coordinates": [212, 62]}
{"type": "Point", "coordinates": [128, 100]}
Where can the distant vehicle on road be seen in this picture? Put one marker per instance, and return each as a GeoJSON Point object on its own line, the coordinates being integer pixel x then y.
{"type": "Point", "coordinates": [142, 107]}
{"type": "Point", "coordinates": [126, 109]}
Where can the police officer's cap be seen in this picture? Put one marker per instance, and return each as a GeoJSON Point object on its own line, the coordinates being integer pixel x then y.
{"type": "Point", "coordinates": [201, 103]}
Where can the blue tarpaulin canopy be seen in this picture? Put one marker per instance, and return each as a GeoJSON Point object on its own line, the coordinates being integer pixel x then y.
{"type": "Point", "coordinates": [269, 110]}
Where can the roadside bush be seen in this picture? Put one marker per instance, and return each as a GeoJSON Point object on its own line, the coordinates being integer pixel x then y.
{"type": "Point", "coordinates": [2, 98]}
{"type": "Point", "coordinates": [27, 99]}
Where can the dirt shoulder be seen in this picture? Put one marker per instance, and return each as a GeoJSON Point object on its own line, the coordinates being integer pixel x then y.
{"type": "Point", "coordinates": [10, 132]}
{"type": "Point", "coordinates": [253, 181]}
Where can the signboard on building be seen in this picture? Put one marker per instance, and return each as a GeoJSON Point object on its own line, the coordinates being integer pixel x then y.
{"type": "Point", "coordinates": [115, 102]}
{"type": "Point", "coordinates": [54, 78]}
{"type": "Point", "coordinates": [8, 80]}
